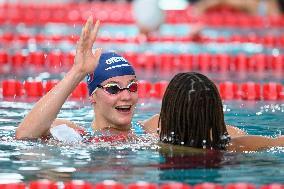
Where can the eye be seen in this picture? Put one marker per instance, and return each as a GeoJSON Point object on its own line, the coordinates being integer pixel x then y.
{"type": "Point", "coordinates": [133, 87]}
{"type": "Point", "coordinates": [112, 89]}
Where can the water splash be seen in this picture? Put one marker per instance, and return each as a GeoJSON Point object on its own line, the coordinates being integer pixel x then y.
{"type": "Point", "coordinates": [204, 144]}
{"type": "Point", "coordinates": [273, 108]}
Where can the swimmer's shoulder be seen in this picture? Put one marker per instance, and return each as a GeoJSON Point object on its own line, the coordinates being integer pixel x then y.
{"type": "Point", "coordinates": [235, 131]}
{"type": "Point", "coordinates": [151, 125]}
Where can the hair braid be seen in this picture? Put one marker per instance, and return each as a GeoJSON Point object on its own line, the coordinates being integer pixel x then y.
{"type": "Point", "coordinates": [192, 113]}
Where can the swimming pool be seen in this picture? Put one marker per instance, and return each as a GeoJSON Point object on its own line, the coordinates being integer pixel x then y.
{"type": "Point", "coordinates": [139, 160]}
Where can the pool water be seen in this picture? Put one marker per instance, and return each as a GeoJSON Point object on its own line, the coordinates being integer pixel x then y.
{"type": "Point", "coordinates": [140, 159]}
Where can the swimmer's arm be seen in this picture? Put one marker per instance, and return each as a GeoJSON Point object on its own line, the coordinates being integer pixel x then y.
{"type": "Point", "coordinates": [151, 125]}
{"type": "Point", "coordinates": [235, 132]}
{"type": "Point", "coordinates": [254, 143]}
{"type": "Point", "coordinates": [40, 118]}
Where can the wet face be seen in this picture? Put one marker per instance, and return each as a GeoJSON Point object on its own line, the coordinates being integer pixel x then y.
{"type": "Point", "coordinates": [115, 107]}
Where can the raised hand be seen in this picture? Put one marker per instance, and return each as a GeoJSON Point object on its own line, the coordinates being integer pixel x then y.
{"type": "Point", "coordinates": [43, 115]}
{"type": "Point", "coordinates": [85, 60]}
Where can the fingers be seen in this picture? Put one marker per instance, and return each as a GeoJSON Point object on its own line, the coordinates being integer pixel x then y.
{"type": "Point", "coordinates": [98, 53]}
{"type": "Point", "coordinates": [86, 33]}
{"type": "Point", "coordinates": [89, 25]}
{"type": "Point", "coordinates": [95, 31]}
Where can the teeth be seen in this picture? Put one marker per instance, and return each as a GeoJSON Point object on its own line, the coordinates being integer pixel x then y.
{"type": "Point", "coordinates": [124, 106]}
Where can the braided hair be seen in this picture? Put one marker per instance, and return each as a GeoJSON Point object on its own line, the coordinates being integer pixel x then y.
{"type": "Point", "coordinates": [192, 113]}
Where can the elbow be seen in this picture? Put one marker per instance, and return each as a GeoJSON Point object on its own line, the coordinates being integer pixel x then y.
{"type": "Point", "coordinates": [23, 133]}
{"type": "Point", "coordinates": [19, 135]}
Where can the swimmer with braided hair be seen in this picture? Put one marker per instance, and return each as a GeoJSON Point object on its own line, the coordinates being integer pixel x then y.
{"type": "Point", "coordinates": [192, 116]}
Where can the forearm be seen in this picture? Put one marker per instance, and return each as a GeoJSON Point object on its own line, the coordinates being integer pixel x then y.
{"type": "Point", "coordinates": [247, 6]}
{"type": "Point", "coordinates": [279, 141]}
{"type": "Point", "coordinates": [39, 119]}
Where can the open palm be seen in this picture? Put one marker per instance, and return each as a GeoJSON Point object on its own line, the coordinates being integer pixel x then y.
{"type": "Point", "coordinates": [85, 60]}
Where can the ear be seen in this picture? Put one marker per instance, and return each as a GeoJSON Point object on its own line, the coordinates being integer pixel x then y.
{"type": "Point", "coordinates": [92, 100]}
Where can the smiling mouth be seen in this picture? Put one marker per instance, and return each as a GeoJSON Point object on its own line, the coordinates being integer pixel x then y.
{"type": "Point", "coordinates": [125, 108]}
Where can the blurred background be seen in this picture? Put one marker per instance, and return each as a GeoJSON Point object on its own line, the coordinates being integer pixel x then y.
{"type": "Point", "coordinates": [239, 44]}
{"type": "Point", "coordinates": [228, 40]}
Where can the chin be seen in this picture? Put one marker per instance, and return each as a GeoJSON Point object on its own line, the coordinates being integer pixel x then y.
{"type": "Point", "coordinates": [124, 122]}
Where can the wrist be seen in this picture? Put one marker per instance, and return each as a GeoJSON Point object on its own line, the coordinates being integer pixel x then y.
{"type": "Point", "coordinates": [77, 73]}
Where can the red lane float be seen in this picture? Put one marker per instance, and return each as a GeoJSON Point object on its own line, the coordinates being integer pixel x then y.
{"type": "Point", "coordinates": [43, 184]}
{"type": "Point", "coordinates": [166, 62]}
{"type": "Point", "coordinates": [147, 61]}
{"type": "Point", "coordinates": [142, 185]}
{"type": "Point", "coordinates": [175, 185]}
{"type": "Point", "coordinates": [33, 88]}
{"type": "Point", "coordinates": [132, 58]}
{"type": "Point", "coordinates": [77, 184]}
{"type": "Point", "coordinates": [277, 63]}
{"type": "Point", "coordinates": [109, 184]}
{"type": "Point", "coordinates": [221, 62]}
{"type": "Point", "coordinates": [271, 91]}
{"type": "Point", "coordinates": [240, 185]}
{"type": "Point", "coordinates": [37, 59]}
{"type": "Point", "coordinates": [160, 88]}
{"type": "Point", "coordinates": [57, 61]}
{"type": "Point", "coordinates": [208, 185]}
{"type": "Point", "coordinates": [258, 62]}
{"type": "Point", "coordinates": [144, 89]}
{"type": "Point", "coordinates": [13, 186]}
{"type": "Point", "coordinates": [185, 62]}
{"type": "Point", "coordinates": [250, 91]}
{"type": "Point", "coordinates": [12, 88]}
{"type": "Point", "coordinates": [80, 91]}
{"type": "Point", "coordinates": [3, 57]}
{"type": "Point", "coordinates": [71, 13]}
{"type": "Point", "coordinates": [272, 186]}
{"type": "Point", "coordinates": [228, 90]}
{"type": "Point", "coordinates": [19, 60]}
{"type": "Point", "coordinates": [268, 40]}
{"type": "Point", "coordinates": [241, 63]}
{"type": "Point", "coordinates": [204, 62]}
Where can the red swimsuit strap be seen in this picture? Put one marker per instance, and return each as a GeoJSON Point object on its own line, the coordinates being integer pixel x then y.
{"type": "Point", "coordinates": [102, 138]}
{"type": "Point", "coordinates": [112, 138]}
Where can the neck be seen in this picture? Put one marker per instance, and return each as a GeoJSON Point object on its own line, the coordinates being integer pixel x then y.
{"type": "Point", "coordinates": [100, 126]}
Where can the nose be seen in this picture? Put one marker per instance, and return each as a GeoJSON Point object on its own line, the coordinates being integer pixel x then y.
{"type": "Point", "coordinates": [125, 94]}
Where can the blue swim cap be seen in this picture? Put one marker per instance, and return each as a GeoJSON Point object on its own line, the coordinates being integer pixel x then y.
{"type": "Point", "coordinates": [110, 65]}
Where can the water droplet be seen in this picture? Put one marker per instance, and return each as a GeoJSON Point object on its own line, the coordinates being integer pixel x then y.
{"type": "Point", "coordinates": [204, 144]}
